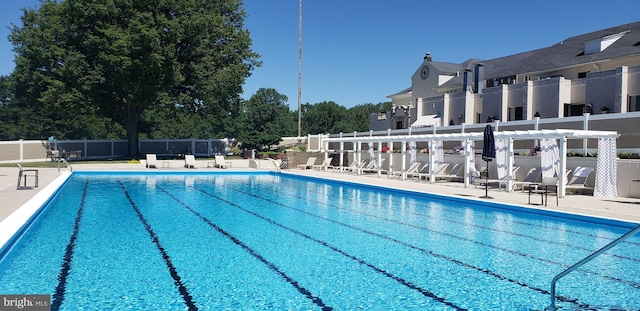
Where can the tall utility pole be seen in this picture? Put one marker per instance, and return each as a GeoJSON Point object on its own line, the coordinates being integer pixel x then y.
{"type": "Point", "coordinates": [300, 69]}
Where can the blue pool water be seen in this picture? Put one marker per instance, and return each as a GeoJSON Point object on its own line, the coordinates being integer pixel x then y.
{"type": "Point", "coordinates": [267, 241]}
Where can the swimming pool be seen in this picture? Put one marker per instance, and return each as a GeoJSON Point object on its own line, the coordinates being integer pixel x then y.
{"type": "Point", "coordinates": [252, 241]}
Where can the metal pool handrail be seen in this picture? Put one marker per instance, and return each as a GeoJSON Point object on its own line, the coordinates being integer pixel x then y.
{"type": "Point", "coordinates": [65, 162]}
{"type": "Point", "coordinates": [577, 265]}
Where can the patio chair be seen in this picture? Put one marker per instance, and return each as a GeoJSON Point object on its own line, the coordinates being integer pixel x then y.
{"type": "Point", "coordinates": [532, 177]}
{"type": "Point", "coordinates": [308, 165]}
{"type": "Point", "coordinates": [548, 185]}
{"type": "Point", "coordinates": [221, 162]}
{"type": "Point", "coordinates": [152, 162]}
{"type": "Point", "coordinates": [23, 174]}
{"type": "Point", "coordinates": [53, 155]}
{"type": "Point", "coordinates": [190, 161]}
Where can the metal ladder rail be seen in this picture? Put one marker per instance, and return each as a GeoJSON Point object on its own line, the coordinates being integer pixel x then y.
{"type": "Point", "coordinates": [275, 163]}
{"type": "Point", "coordinates": [577, 265]}
{"type": "Point", "coordinates": [61, 160]}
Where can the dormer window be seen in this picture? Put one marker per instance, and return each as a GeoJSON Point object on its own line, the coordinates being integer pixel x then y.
{"type": "Point", "coordinates": [600, 44]}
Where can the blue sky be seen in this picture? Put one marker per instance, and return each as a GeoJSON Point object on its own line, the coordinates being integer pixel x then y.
{"type": "Point", "coordinates": [360, 51]}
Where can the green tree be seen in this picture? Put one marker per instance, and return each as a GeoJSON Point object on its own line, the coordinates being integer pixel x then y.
{"type": "Point", "coordinates": [324, 117]}
{"type": "Point", "coordinates": [118, 58]}
{"type": "Point", "coordinates": [359, 115]}
{"type": "Point", "coordinates": [268, 119]}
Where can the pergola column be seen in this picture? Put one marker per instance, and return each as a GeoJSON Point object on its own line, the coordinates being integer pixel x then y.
{"type": "Point", "coordinates": [510, 177]}
{"type": "Point", "coordinates": [432, 161]}
{"type": "Point", "coordinates": [341, 155]}
{"type": "Point", "coordinates": [379, 157]}
{"type": "Point", "coordinates": [562, 177]}
{"type": "Point", "coordinates": [467, 161]}
{"type": "Point", "coordinates": [404, 159]}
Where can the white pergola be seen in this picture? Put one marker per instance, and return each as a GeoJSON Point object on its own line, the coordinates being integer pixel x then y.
{"type": "Point", "coordinates": [561, 135]}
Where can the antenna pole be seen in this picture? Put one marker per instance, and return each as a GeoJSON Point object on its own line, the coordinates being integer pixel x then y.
{"type": "Point", "coordinates": [300, 69]}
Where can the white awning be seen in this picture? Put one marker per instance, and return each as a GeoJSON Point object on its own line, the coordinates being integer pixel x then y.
{"type": "Point", "coordinates": [428, 120]}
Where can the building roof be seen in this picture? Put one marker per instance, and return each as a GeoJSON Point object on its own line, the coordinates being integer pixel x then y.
{"type": "Point", "coordinates": [623, 40]}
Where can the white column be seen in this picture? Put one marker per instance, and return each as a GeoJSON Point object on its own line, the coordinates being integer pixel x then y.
{"type": "Point", "coordinates": [432, 160]}
{"type": "Point", "coordinates": [341, 154]}
{"type": "Point", "coordinates": [404, 159]}
{"type": "Point", "coordinates": [325, 145]}
{"type": "Point", "coordinates": [585, 126]}
{"type": "Point", "coordinates": [467, 155]}
{"type": "Point", "coordinates": [510, 160]}
{"type": "Point", "coordinates": [379, 158]}
{"type": "Point", "coordinates": [358, 154]}
{"type": "Point", "coordinates": [563, 167]}
{"type": "Point", "coordinates": [21, 144]}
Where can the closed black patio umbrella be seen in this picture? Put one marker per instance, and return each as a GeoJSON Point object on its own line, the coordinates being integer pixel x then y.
{"type": "Point", "coordinates": [488, 154]}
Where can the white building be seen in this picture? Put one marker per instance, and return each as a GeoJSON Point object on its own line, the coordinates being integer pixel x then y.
{"type": "Point", "coordinates": [593, 73]}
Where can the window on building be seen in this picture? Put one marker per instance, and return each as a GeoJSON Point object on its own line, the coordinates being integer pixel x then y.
{"type": "Point", "coordinates": [634, 103]}
{"type": "Point", "coordinates": [478, 117]}
{"type": "Point", "coordinates": [572, 110]}
{"type": "Point", "coordinates": [517, 115]}
{"type": "Point", "coordinates": [399, 124]}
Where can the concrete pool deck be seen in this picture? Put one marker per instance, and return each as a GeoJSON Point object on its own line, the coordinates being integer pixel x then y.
{"type": "Point", "coordinates": [619, 208]}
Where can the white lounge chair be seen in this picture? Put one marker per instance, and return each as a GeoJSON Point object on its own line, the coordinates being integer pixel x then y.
{"type": "Point", "coordinates": [579, 179]}
{"type": "Point", "coordinates": [438, 171]}
{"type": "Point", "coordinates": [454, 173]}
{"type": "Point", "coordinates": [532, 177]}
{"type": "Point", "coordinates": [221, 162]}
{"type": "Point", "coordinates": [374, 167]}
{"type": "Point", "coordinates": [190, 161]}
{"type": "Point", "coordinates": [351, 167]}
{"type": "Point", "coordinates": [152, 162]}
{"type": "Point", "coordinates": [413, 168]}
{"type": "Point", "coordinates": [323, 166]}
{"type": "Point", "coordinates": [308, 165]}
{"type": "Point", "coordinates": [504, 180]}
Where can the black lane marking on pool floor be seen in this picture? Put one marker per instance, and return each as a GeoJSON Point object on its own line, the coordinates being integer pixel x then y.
{"type": "Point", "coordinates": [630, 283]}
{"type": "Point", "coordinates": [186, 296]}
{"type": "Point", "coordinates": [316, 300]}
{"type": "Point", "coordinates": [58, 296]}
{"type": "Point", "coordinates": [588, 250]}
{"type": "Point", "coordinates": [398, 279]}
{"type": "Point", "coordinates": [426, 251]}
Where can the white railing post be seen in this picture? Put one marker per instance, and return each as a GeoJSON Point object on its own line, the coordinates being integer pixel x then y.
{"type": "Point", "coordinates": [585, 126]}
{"type": "Point", "coordinates": [21, 143]}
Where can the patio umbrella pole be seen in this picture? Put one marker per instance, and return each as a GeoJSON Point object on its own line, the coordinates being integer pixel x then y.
{"type": "Point", "coordinates": [486, 182]}
{"type": "Point", "coordinates": [488, 153]}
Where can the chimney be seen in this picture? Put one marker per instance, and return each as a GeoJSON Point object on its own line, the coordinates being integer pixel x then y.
{"type": "Point", "coordinates": [466, 82]}
{"type": "Point", "coordinates": [479, 78]}
{"type": "Point", "coordinates": [427, 57]}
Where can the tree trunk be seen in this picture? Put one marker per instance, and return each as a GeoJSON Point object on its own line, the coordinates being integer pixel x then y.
{"type": "Point", "coordinates": [132, 119]}
{"type": "Point", "coordinates": [132, 137]}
